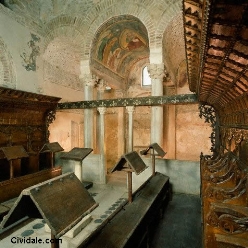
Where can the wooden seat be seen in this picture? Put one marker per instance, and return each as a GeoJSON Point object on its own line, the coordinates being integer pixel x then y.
{"type": "Point", "coordinates": [130, 226]}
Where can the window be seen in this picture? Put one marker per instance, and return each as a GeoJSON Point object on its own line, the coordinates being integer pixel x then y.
{"type": "Point", "coordinates": [146, 80]}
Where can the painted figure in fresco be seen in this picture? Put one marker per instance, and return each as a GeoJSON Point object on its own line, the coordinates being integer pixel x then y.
{"type": "Point", "coordinates": [103, 45]}
{"type": "Point", "coordinates": [115, 46]}
{"type": "Point", "coordinates": [133, 41]}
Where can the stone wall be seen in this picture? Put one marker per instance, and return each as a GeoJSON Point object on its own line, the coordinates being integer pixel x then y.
{"type": "Point", "coordinates": [19, 61]}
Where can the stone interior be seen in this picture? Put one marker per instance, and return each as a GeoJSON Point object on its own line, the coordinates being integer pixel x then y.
{"type": "Point", "coordinates": [86, 50]}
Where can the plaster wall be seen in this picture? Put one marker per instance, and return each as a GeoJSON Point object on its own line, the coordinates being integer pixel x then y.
{"type": "Point", "coordinates": [17, 36]}
{"type": "Point", "coordinates": [90, 167]}
{"type": "Point", "coordinates": [192, 133]}
{"type": "Point", "coordinates": [111, 136]}
{"type": "Point", "coordinates": [64, 128]}
{"type": "Point", "coordinates": [184, 175]}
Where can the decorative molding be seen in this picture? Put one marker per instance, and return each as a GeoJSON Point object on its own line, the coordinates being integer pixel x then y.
{"type": "Point", "coordinates": [50, 117]}
{"type": "Point", "coordinates": [123, 102]}
{"type": "Point", "coordinates": [235, 134]}
{"type": "Point", "coordinates": [209, 114]}
{"type": "Point", "coordinates": [102, 110]}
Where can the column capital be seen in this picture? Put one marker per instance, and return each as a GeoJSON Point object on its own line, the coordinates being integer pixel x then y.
{"type": "Point", "coordinates": [130, 109]}
{"type": "Point", "coordinates": [156, 71]}
{"type": "Point", "coordinates": [88, 79]}
{"type": "Point", "coordinates": [102, 110]}
{"type": "Point", "coordinates": [101, 85]}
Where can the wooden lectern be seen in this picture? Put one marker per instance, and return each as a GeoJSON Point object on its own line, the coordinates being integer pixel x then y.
{"type": "Point", "coordinates": [130, 162]}
{"type": "Point", "coordinates": [73, 202]}
{"type": "Point", "coordinates": [78, 154]}
{"type": "Point", "coordinates": [159, 152]}
{"type": "Point", "coordinates": [12, 153]}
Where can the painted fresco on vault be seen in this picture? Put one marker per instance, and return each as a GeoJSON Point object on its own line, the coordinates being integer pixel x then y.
{"type": "Point", "coordinates": [119, 41]}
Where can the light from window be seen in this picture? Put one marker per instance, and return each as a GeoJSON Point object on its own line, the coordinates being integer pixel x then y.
{"type": "Point", "coordinates": [146, 80]}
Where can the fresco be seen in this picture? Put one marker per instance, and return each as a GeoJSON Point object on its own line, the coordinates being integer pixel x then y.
{"type": "Point", "coordinates": [29, 60]}
{"type": "Point", "coordinates": [121, 43]}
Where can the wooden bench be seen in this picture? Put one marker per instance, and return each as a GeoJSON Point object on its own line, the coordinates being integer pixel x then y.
{"type": "Point", "coordinates": [134, 223]}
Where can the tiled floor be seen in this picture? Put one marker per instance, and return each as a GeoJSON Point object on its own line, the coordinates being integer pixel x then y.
{"type": "Point", "coordinates": [180, 226]}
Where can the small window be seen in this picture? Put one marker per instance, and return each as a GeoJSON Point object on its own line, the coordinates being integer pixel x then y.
{"type": "Point", "coordinates": [146, 80]}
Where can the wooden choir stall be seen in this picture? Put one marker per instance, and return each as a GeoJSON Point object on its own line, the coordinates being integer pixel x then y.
{"type": "Point", "coordinates": [24, 122]}
{"type": "Point", "coordinates": [224, 195]}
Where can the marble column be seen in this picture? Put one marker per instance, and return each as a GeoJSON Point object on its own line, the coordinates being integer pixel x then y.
{"type": "Point", "coordinates": [170, 126]}
{"type": "Point", "coordinates": [130, 110]}
{"type": "Point", "coordinates": [100, 95]}
{"type": "Point", "coordinates": [103, 169]}
{"type": "Point", "coordinates": [156, 72]}
{"type": "Point", "coordinates": [121, 125]}
{"type": "Point", "coordinates": [89, 82]}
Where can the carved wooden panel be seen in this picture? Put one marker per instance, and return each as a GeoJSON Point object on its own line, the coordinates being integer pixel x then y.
{"type": "Point", "coordinates": [24, 120]}
{"type": "Point", "coordinates": [224, 200]}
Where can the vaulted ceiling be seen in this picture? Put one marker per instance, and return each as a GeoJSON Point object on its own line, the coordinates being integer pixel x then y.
{"type": "Point", "coordinates": [216, 38]}
{"type": "Point", "coordinates": [123, 35]}
{"type": "Point", "coordinates": [118, 45]}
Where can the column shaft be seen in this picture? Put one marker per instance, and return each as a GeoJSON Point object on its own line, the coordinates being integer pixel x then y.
{"type": "Point", "coordinates": [156, 72]}
{"type": "Point", "coordinates": [130, 110]}
{"type": "Point", "coordinates": [103, 169]}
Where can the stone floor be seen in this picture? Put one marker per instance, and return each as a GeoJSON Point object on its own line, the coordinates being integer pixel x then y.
{"type": "Point", "coordinates": [180, 226]}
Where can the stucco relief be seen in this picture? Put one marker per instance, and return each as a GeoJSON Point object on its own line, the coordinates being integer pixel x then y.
{"type": "Point", "coordinates": [29, 58]}
{"type": "Point", "coordinates": [7, 73]}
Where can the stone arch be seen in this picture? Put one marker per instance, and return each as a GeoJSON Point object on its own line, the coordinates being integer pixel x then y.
{"type": "Point", "coordinates": [62, 52]}
{"type": "Point", "coordinates": [173, 46]}
{"type": "Point", "coordinates": [64, 26]}
{"type": "Point", "coordinates": [7, 72]}
{"type": "Point", "coordinates": [174, 7]}
{"type": "Point", "coordinates": [139, 10]}
{"type": "Point", "coordinates": [109, 10]}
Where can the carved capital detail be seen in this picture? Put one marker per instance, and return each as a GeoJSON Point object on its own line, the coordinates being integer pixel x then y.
{"type": "Point", "coordinates": [89, 80]}
{"type": "Point", "coordinates": [102, 110]}
{"type": "Point", "coordinates": [130, 109]}
{"type": "Point", "coordinates": [156, 71]}
{"type": "Point", "coordinates": [101, 85]}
